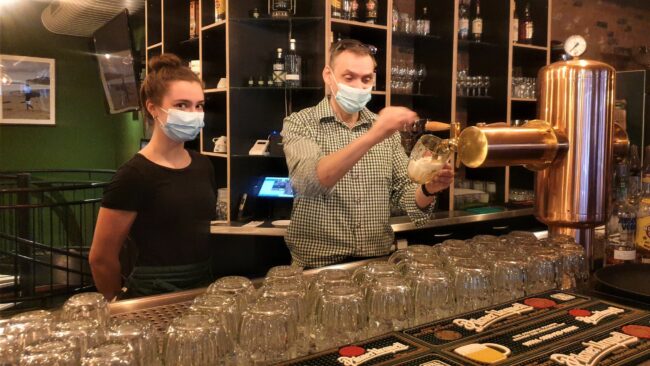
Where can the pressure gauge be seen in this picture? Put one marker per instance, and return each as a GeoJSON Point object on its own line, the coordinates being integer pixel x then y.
{"type": "Point", "coordinates": [575, 46]}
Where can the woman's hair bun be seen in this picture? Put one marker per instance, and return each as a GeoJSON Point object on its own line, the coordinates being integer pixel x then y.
{"type": "Point", "coordinates": [163, 61]}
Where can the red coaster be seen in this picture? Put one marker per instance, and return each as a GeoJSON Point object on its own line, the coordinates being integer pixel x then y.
{"type": "Point", "coordinates": [579, 312]}
{"type": "Point", "coordinates": [539, 303]}
{"type": "Point", "coordinates": [639, 331]}
{"type": "Point", "coordinates": [351, 351]}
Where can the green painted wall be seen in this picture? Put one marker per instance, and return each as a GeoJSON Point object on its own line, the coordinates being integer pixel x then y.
{"type": "Point", "coordinates": [85, 135]}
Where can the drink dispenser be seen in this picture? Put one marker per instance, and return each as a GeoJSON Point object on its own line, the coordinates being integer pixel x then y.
{"type": "Point", "coordinates": [571, 147]}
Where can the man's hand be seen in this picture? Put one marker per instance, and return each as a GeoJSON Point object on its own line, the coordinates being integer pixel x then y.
{"type": "Point", "coordinates": [391, 120]}
{"type": "Point", "coordinates": [441, 180]}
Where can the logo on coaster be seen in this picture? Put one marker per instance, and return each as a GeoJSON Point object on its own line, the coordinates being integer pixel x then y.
{"type": "Point", "coordinates": [485, 353]}
{"type": "Point", "coordinates": [447, 335]}
{"type": "Point", "coordinates": [639, 331]}
{"type": "Point", "coordinates": [539, 303]}
{"type": "Point", "coordinates": [492, 316]}
{"type": "Point", "coordinates": [595, 351]}
{"type": "Point", "coordinates": [579, 312]}
{"type": "Point", "coordinates": [599, 315]}
{"type": "Point", "coordinates": [371, 353]}
{"type": "Point", "coordinates": [351, 351]}
{"type": "Point", "coordinates": [563, 297]}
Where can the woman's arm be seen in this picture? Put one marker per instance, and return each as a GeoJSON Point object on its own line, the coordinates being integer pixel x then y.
{"type": "Point", "coordinates": [112, 228]}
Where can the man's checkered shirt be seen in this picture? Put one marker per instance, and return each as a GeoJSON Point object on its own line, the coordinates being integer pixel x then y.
{"type": "Point", "coordinates": [351, 218]}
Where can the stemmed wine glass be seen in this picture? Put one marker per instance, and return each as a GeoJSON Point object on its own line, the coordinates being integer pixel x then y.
{"type": "Point", "coordinates": [420, 75]}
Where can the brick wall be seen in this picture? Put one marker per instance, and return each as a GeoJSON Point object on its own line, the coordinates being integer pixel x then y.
{"type": "Point", "coordinates": [614, 29]}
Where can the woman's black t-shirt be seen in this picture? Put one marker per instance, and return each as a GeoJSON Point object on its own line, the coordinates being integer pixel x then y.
{"type": "Point", "coordinates": [174, 208]}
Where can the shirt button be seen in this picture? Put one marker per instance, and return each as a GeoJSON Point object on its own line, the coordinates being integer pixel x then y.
{"type": "Point", "coordinates": [358, 200]}
{"type": "Point", "coordinates": [358, 225]}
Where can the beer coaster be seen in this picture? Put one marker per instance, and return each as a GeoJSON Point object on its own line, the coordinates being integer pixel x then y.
{"type": "Point", "coordinates": [533, 337]}
{"type": "Point", "coordinates": [640, 331]}
{"type": "Point", "coordinates": [579, 312]}
{"type": "Point", "coordinates": [377, 351]}
{"type": "Point", "coordinates": [497, 318]}
{"type": "Point", "coordinates": [351, 351]}
{"type": "Point", "coordinates": [615, 346]}
{"type": "Point", "coordinates": [539, 303]}
{"type": "Point", "coordinates": [447, 335]}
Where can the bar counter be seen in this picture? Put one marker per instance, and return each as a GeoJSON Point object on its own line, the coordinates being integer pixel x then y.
{"type": "Point", "coordinates": [398, 223]}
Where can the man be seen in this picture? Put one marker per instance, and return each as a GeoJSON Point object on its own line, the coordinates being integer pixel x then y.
{"type": "Point", "coordinates": [348, 167]}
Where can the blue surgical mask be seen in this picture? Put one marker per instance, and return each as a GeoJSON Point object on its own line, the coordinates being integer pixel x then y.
{"type": "Point", "coordinates": [351, 99]}
{"type": "Point", "coordinates": [181, 125]}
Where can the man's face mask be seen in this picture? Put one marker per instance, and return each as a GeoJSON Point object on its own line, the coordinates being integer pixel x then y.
{"type": "Point", "coordinates": [351, 99]}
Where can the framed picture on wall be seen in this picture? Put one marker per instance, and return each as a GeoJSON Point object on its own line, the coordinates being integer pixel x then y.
{"type": "Point", "coordinates": [27, 90]}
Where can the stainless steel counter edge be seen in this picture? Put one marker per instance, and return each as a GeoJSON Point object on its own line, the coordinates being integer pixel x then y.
{"type": "Point", "coordinates": [399, 224]}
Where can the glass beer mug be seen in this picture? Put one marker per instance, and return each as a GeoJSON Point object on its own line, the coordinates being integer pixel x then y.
{"type": "Point", "coordinates": [428, 156]}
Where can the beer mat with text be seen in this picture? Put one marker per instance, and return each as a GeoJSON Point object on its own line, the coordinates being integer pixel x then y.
{"type": "Point", "coordinates": [464, 326]}
{"type": "Point", "coordinates": [382, 350]}
{"type": "Point", "coordinates": [428, 360]}
{"type": "Point", "coordinates": [527, 339]}
{"type": "Point", "coordinates": [622, 345]}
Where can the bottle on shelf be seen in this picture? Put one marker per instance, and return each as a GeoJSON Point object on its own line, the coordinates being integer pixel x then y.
{"type": "Point", "coordinates": [526, 26]}
{"type": "Point", "coordinates": [346, 9]}
{"type": "Point", "coordinates": [477, 23]}
{"type": "Point", "coordinates": [219, 10]}
{"type": "Point", "coordinates": [194, 18]}
{"type": "Point", "coordinates": [292, 66]}
{"type": "Point", "coordinates": [643, 227]}
{"type": "Point", "coordinates": [371, 11]}
{"type": "Point", "coordinates": [621, 226]}
{"type": "Point", "coordinates": [463, 21]}
{"type": "Point", "coordinates": [424, 22]}
{"type": "Point", "coordinates": [515, 22]}
{"type": "Point", "coordinates": [354, 10]}
{"type": "Point", "coordinates": [634, 180]}
{"type": "Point", "coordinates": [395, 17]}
{"type": "Point", "coordinates": [278, 68]}
{"type": "Point", "coordinates": [645, 174]}
{"type": "Point", "coordinates": [336, 9]}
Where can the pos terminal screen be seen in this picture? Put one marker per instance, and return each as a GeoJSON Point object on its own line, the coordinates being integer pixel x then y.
{"type": "Point", "coordinates": [276, 187]}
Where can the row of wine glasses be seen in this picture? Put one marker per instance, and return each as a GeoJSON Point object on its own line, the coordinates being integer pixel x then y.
{"type": "Point", "coordinates": [404, 75]}
{"type": "Point", "coordinates": [472, 86]}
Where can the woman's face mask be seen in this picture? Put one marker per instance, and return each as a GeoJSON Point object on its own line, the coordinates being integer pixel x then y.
{"type": "Point", "coordinates": [351, 99]}
{"type": "Point", "coordinates": [182, 126]}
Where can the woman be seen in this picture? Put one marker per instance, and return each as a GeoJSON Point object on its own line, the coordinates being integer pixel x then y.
{"type": "Point", "coordinates": [163, 198]}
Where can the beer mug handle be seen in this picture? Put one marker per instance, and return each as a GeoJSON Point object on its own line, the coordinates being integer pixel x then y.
{"type": "Point", "coordinates": [503, 349]}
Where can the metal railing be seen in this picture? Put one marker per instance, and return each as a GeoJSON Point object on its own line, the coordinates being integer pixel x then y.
{"type": "Point", "coordinates": [47, 220]}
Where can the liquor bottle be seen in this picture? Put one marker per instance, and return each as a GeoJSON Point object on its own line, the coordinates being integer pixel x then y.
{"type": "Point", "coordinates": [292, 66]}
{"type": "Point", "coordinates": [194, 18]}
{"type": "Point", "coordinates": [643, 227]}
{"type": "Point", "coordinates": [621, 228]}
{"type": "Point", "coordinates": [219, 10]}
{"type": "Point", "coordinates": [281, 8]}
{"type": "Point", "coordinates": [515, 23]}
{"type": "Point", "coordinates": [477, 23]}
{"type": "Point", "coordinates": [336, 8]}
{"type": "Point", "coordinates": [425, 23]}
{"type": "Point", "coordinates": [371, 11]}
{"type": "Point", "coordinates": [395, 17]}
{"type": "Point", "coordinates": [354, 10]}
{"type": "Point", "coordinates": [463, 22]}
{"type": "Point", "coordinates": [645, 174]}
{"type": "Point", "coordinates": [346, 9]}
{"type": "Point", "coordinates": [526, 27]}
{"type": "Point", "coordinates": [278, 69]}
{"type": "Point", "coordinates": [634, 180]}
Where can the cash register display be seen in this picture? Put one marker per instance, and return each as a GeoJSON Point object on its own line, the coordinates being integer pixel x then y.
{"type": "Point", "coordinates": [276, 187]}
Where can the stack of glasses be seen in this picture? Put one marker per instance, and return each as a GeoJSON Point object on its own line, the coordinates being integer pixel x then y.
{"type": "Point", "coordinates": [292, 315]}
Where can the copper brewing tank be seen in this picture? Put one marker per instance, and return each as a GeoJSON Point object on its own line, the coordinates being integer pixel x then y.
{"type": "Point", "coordinates": [571, 146]}
{"type": "Point", "coordinates": [577, 98]}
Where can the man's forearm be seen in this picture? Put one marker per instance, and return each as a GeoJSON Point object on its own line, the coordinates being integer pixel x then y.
{"type": "Point", "coordinates": [421, 200]}
{"type": "Point", "coordinates": [333, 167]}
{"type": "Point", "coordinates": [107, 278]}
